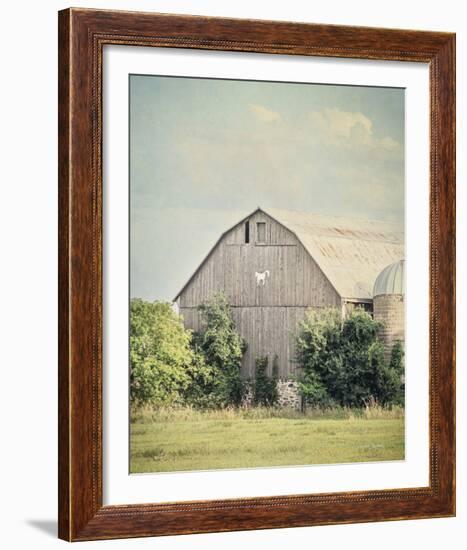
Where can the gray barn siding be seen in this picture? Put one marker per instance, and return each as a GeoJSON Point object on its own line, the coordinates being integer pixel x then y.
{"type": "Point", "coordinates": [266, 316]}
{"type": "Point", "coordinates": [295, 279]}
{"type": "Point", "coordinates": [268, 331]}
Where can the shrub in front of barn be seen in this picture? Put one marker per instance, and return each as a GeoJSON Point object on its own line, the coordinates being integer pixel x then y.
{"type": "Point", "coordinates": [163, 363]}
{"type": "Point", "coordinates": [223, 349]}
{"type": "Point", "coordinates": [171, 366]}
{"type": "Point", "coordinates": [343, 362]}
{"type": "Point", "coordinates": [397, 366]}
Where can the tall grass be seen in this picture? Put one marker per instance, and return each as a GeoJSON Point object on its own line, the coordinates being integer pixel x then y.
{"type": "Point", "coordinates": [148, 414]}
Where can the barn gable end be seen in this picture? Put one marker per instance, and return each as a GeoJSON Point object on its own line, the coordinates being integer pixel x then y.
{"type": "Point", "coordinates": [293, 278]}
{"type": "Point", "coordinates": [270, 280]}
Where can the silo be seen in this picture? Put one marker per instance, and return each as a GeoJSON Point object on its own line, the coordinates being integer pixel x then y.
{"type": "Point", "coordinates": [388, 304]}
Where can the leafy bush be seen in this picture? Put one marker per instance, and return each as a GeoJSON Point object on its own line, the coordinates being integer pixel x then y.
{"type": "Point", "coordinates": [397, 366]}
{"type": "Point", "coordinates": [265, 388]}
{"type": "Point", "coordinates": [168, 366]}
{"type": "Point", "coordinates": [223, 349]}
{"type": "Point", "coordinates": [318, 344]}
{"type": "Point", "coordinates": [198, 392]}
{"type": "Point", "coordinates": [343, 361]}
{"type": "Point", "coordinates": [164, 368]}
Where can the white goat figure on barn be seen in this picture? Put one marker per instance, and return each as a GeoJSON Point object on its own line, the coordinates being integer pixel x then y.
{"type": "Point", "coordinates": [261, 277]}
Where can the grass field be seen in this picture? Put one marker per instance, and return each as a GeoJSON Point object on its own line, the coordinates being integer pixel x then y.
{"type": "Point", "coordinates": [180, 440]}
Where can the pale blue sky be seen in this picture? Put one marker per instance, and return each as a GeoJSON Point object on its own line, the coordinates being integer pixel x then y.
{"type": "Point", "coordinates": [204, 153]}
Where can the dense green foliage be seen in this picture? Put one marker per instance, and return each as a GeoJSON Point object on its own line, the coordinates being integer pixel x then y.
{"type": "Point", "coordinates": [396, 365]}
{"type": "Point", "coordinates": [223, 349]}
{"type": "Point", "coordinates": [164, 367]}
{"type": "Point", "coordinates": [265, 387]}
{"type": "Point", "coordinates": [343, 361]}
{"type": "Point", "coordinates": [171, 366]}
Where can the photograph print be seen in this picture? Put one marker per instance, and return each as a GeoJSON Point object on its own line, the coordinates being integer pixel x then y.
{"type": "Point", "coordinates": [267, 282]}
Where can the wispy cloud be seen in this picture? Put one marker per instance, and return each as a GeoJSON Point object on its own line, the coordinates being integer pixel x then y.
{"type": "Point", "coordinates": [263, 114]}
{"type": "Point", "coordinates": [349, 129]}
{"type": "Point", "coordinates": [339, 124]}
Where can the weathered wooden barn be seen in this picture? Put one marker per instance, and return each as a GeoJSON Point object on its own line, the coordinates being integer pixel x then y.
{"type": "Point", "coordinates": [275, 264]}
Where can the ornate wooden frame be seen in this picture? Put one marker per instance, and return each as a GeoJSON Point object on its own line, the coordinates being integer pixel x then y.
{"type": "Point", "coordinates": [82, 35]}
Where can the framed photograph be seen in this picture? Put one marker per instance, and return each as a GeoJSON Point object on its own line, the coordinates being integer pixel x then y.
{"type": "Point", "coordinates": [256, 274]}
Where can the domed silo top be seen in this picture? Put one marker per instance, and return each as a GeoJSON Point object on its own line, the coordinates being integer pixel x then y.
{"type": "Point", "coordinates": [390, 280]}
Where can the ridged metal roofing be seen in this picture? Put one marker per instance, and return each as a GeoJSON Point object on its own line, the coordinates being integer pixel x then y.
{"type": "Point", "coordinates": [350, 252]}
{"type": "Point", "coordinates": [390, 280]}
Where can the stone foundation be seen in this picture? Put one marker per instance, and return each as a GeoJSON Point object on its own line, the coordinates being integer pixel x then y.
{"type": "Point", "coordinates": [289, 396]}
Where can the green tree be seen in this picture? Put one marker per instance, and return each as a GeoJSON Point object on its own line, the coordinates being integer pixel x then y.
{"type": "Point", "coordinates": [319, 356]}
{"type": "Point", "coordinates": [343, 361]}
{"type": "Point", "coordinates": [397, 367]}
{"type": "Point", "coordinates": [199, 391]}
{"type": "Point", "coordinates": [223, 349]}
{"type": "Point", "coordinates": [163, 365]}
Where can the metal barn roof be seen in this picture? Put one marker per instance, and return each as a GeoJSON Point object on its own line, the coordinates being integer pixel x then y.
{"type": "Point", "coordinates": [350, 252]}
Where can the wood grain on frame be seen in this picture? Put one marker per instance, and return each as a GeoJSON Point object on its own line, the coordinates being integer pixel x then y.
{"type": "Point", "coordinates": [82, 36]}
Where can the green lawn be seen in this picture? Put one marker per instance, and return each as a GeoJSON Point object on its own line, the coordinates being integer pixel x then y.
{"type": "Point", "coordinates": [164, 441]}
